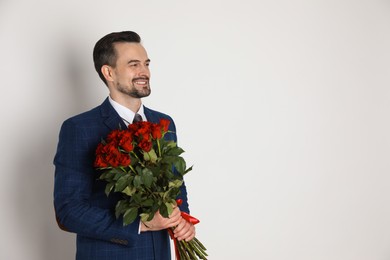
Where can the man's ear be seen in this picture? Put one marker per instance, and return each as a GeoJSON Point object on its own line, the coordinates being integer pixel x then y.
{"type": "Point", "coordinates": [107, 72]}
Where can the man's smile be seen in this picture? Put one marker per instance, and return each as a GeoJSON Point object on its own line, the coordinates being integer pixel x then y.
{"type": "Point", "coordinates": [141, 81]}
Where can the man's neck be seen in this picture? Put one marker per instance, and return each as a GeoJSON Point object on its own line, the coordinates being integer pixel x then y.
{"type": "Point", "coordinates": [130, 102]}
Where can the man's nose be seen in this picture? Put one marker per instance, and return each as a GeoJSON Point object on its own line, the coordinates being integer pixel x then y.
{"type": "Point", "coordinates": [144, 71]}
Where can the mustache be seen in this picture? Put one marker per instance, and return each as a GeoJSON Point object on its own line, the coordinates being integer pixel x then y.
{"type": "Point", "coordinates": [144, 78]}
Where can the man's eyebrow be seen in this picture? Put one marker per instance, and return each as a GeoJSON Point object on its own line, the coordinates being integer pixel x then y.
{"type": "Point", "coordinates": [137, 61]}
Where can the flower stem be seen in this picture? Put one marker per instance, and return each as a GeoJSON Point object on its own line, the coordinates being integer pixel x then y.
{"type": "Point", "coordinates": [159, 147]}
{"type": "Point", "coordinates": [199, 243]}
{"type": "Point", "coordinates": [189, 250]}
{"type": "Point", "coordinates": [139, 160]}
{"type": "Point", "coordinates": [183, 252]}
{"type": "Point", "coordinates": [198, 250]}
{"type": "Point", "coordinates": [132, 169]}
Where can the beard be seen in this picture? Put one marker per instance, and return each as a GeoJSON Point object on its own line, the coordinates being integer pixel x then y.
{"type": "Point", "coordinates": [133, 91]}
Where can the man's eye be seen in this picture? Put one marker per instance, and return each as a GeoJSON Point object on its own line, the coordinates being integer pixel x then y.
{"type": "Point", "coordinates": [134, 64]}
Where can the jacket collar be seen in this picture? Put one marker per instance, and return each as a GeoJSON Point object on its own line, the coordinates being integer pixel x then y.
{"type": "Point", "coordinates": [114, 121]}
{"type": "Point", "coordinates": [150, 116]}
{"type": "Point", "coordinates": [111, 118]}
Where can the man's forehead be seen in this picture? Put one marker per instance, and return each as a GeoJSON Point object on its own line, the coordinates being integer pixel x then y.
{"type": "Point", "coordinates": [127, 52]}
{"type": "Point", "coordinates": [129, 49]}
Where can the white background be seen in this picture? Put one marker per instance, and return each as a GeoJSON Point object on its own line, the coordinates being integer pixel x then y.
{"type": "Point", "coordinates": [282, 106]}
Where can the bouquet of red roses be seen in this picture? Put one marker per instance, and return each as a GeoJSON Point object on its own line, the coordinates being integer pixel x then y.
{"type": "Point", "coordinates": [148, 171]}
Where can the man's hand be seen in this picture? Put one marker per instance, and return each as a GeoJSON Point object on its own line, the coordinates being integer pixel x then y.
{"type": "Point", "coordinates": [159, 222]}
{"type": "Point", "coordinates": [185, 230]}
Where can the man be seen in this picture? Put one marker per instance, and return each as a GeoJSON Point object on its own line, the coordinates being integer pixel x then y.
{"type": "Point", "coordinates": [80, 202]}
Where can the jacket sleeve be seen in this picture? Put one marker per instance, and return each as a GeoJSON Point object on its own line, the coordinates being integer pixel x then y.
{"type": "Point", "coordinates": [75, 198]}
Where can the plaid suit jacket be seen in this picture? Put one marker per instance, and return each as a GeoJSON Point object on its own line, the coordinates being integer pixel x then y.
{"type": "Point", "coordinates": [80, 203]}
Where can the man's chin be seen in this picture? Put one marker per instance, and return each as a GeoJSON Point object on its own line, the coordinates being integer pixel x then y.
{"type": "Point", "coordinates": [141, 94]}
{"type": "Point", "coordinates": [146, 92]}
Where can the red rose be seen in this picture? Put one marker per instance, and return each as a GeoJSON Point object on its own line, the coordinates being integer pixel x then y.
{"type": "Point", "coordinates": [113, 156]}
{"type": "Point", "coordinates": [164, 123]}
{"type": "Point", "coordinates": [145, 145]}
{"type": "Point", "coordinates": [145, 127]}
{"type": "Point", "coordinates": [126, 141]}
{"type": "Point", "coordinates": [156, 131]}
{"type": "Point", "coordinates": [109, 155]}
{"type": "Point", "coordinates": [144, 130]}
{"type": "Point", "coordinates": [99, 149]}
{"type": "Point", "coordinates": [100, 156]}
{"type": "Point", "coordinates": [114, 136]}
{"type": "Point", "coordinates": [124, 159]}
{"type": "Point", "coordinates": [100, 162]}
{"type": "Point", "coordinates": [133, 128]}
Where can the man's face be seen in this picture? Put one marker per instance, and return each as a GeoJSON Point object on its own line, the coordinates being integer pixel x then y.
{"type": "Point", "coordinates": [131, 73]}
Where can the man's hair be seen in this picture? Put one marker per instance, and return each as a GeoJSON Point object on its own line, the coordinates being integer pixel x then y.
{"type": "Point", "coordinates": [104, 51]}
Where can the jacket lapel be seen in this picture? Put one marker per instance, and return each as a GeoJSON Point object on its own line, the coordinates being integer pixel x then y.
{"type": "Point", "coordinates": [113, 121]}
{"type": "Point", "coordinates": [110, 117]}
{"type": "Point", "coordinates": [150, 116]}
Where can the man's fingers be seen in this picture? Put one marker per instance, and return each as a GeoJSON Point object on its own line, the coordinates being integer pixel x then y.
{"type": "Point", "coordinates": [186, 231]}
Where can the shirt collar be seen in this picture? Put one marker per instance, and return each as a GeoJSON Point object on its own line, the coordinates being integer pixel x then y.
{"type": "Point", "coordinates": [126, 114]}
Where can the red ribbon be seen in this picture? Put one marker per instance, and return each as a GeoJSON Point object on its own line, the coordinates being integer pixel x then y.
{"type": "Point", "coordinates": [188, 218]}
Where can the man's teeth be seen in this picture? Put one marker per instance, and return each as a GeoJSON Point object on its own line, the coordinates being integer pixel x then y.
{"type": "Point", "coordinates": [141, 82]}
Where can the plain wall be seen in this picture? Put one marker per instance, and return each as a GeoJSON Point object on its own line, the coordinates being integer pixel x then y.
{"type": "Point", "coordinates": [282, 107]}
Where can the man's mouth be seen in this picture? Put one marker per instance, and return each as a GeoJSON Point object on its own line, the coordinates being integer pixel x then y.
{"type": "Point", "coordinates": [141, 82]}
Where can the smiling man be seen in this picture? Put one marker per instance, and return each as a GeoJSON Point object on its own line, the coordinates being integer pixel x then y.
{"type": "Point", "coordinates": [79, 199]}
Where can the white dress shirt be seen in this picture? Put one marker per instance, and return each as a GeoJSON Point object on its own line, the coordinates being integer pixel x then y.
{"type": "Point", "coordinates": [126, 114]}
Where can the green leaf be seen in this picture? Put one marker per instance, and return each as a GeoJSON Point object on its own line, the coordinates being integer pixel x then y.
{"type": "Point", "coordinates": [171, 144]}
{"type": "Point", "coordinates": [150, 156]}
{"type": "Point", "coordinates": [175, 183]}
{"type": "Point", "coordinates": [156, 170]}
{"type": "Point", "coordinates": [147, 203]}
{"type": "Point", "coordinates": [151, 216]}
{"type": "Point", "coordinates": [105, 175]}
{"type": "Point", "coordinates": [154, 209]}
{"type": "Point", "coordinates": [170, 194]}
{"type": "Point", "coordinates": [169, 208]}
{"type": "Point", "coordinates": [120, 207]}
{"type": "Point", "coordinates": [109, 187]}
{"type": "Point", "coordinates": [144, 217]}
{"type": "Point", "coordinates": [175, 192]}
{"type": "Point", "coordinates": [121, 183]}
{"type": "Point", "coordinates": [175, 151]}
{"type": "Point", "coordinates": [134, 160]}
{"type": "Point", "coordinates": [138, 169]}
{"type": "Point", "coordinates": [147, 177]}
{"type": "Point", "coordinates": [168, 159]}
{"type": "Point", "coordinates": [164, 210]}
{"type": "Point", "coordinates": [117, 173]}
{"type": "Point", "coordinates": [170, 176]}
{"type": "Point", "coordinates": [129, 191]}
{"type": "Point", "coordinates": [130, 215]}
{"type": "Point", "coordinates": [136, 198]}
{"type": "Point", "coordinates": [180, 165]}
{"type": "Point", "coordinates": [137, 181]}
{"type": "Point", "coordinates": [146, 157]}
{"type": "Point", "coordinates": [189, 169]}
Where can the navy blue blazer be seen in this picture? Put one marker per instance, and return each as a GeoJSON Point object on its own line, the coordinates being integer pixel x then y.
{"type": "Point", "coordinates": [80, 203]}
